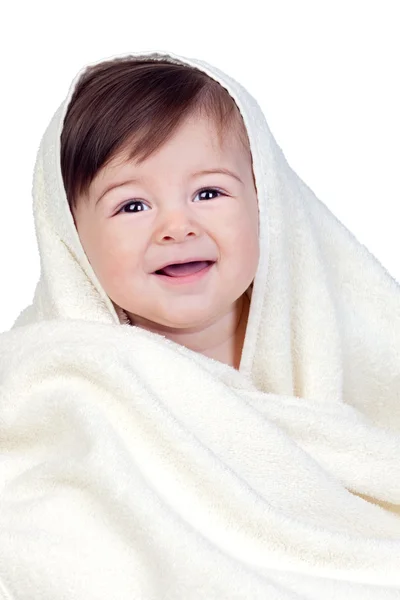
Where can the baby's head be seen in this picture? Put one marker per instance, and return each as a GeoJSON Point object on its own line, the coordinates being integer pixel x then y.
{"type": "Point", "coordinates": [138, 137]}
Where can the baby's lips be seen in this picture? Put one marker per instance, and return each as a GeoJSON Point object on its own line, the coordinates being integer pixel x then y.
{"type": "Point", "coordinates": [182, 269]}
{"type": "Point", "coordinates": [181, 262]}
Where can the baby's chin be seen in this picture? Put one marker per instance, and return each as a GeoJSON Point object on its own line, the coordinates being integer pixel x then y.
{"type": "Point", "coordinates": [168, 320]}
{"type": "Point", "coordinates": [172, 323]}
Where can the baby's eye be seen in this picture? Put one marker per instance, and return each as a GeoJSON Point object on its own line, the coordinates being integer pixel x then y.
{"type": "Point", "coordinates": [209, 190]}
{"type": "Point", "coordinates": [136, 202]}
{"type": "Point", "coordinates": [131, 203]}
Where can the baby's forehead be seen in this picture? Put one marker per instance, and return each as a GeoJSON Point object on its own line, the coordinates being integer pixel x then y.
{"type": "Point", "coordinates": [199, 145]}
{"type": "Point", "coordinates": [222, 154]}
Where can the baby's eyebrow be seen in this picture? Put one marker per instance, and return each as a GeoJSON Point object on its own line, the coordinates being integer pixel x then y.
{"type": "Point", "coordinates": [116, 185]}
{"type": "Point", "coordinates": [221, 170]}
{"type": "Point", "coordinates": [196, 174]}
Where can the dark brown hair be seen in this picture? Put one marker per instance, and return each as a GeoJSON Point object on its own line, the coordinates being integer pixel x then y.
{"type": "Point", "coordinates": [135, 103]}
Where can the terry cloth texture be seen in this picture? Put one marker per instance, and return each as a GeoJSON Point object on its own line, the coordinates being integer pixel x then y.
{"type": "Point", "coordinates": [132, 467]}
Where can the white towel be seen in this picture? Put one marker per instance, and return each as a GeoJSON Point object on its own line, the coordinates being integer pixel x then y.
{"type": "Point", "coordinates": [133, 467]}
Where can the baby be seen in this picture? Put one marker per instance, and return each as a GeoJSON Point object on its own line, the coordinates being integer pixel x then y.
{"type": "Point", "coordinates": [136, 460]}
{"type": "Point", "coordinates": [168, 141]}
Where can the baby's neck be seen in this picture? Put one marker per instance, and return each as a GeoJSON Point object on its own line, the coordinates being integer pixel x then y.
{"type": "Point", "coordinates": [230, 352]}
{"type": "Point", "coordinates": [232, 330]}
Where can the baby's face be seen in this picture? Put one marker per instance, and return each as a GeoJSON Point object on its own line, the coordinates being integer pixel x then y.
{"type": "Point", "coordinates": [132, 230]}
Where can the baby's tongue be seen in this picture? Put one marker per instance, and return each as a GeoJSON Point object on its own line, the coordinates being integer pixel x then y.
{"type": "Point", "coordinates": [184, 268]}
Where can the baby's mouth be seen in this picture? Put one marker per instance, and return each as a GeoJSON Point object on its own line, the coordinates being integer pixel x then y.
{"type": "Point", "coordinates": [184, 269]}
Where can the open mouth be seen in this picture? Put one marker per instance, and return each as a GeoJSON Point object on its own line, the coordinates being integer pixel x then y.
{"type": "Point", "coordinates": [184, 269]}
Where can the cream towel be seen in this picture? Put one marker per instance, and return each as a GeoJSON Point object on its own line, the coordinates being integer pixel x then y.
{"type": "Point", "coordinates": [134, 468]}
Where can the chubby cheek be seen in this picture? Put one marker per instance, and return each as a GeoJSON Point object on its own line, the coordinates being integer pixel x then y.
{"type": "Point", "coordinates": [119, 264]}
{"type": "Point", "coordinates": [242, 249]}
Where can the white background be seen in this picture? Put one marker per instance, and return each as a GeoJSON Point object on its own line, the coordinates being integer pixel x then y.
{"type": "Point", "coordinates": [326, 75]}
